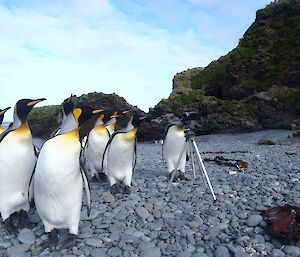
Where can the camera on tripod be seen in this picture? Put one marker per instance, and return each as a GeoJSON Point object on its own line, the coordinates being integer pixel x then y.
{"type": "Point", "coordinates": [188, 120]}
{"type": "Point", "coordinates": [190, 147]}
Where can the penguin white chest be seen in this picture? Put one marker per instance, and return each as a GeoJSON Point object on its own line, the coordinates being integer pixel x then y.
{"type": "Point", "coordinates": [95, 147]}
{"type": "Point", "coordinates": [120, 157]}
{"type": "Point", "coordinates": [17, 160]}
{"type": "Point", "coordinates": [58, 184]}
{"type": "Point", "coordinates": [173, 144]}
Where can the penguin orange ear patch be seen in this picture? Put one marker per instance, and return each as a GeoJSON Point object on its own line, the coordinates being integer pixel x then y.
{"type": "Point", "coordinates": [77, 112]}
{"type": "Point", "coordinates": [101, 116]}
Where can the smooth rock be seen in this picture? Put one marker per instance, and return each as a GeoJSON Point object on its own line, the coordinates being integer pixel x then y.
{"type": "Point", "coordinates": [291, 250]}
{"type": "Point", "coordinates": [254, 220]}
{"type": "Point", "coordinates": [150, 252]}
{"type": "Point", "coordinates": [26, 236]}
{"type": "Point", "coordinates": [19, 249]}
{"type": "Point", "coordinates": [93, 242]}
{"type": "Point", "coordinates": [221, 251]}
{"type": "Point", "coordinates": [142, 212]}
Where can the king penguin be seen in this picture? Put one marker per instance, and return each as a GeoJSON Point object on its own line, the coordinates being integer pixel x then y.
{"type": "Point", "coordinates": [95, 146]}
{"type": "Point", "coordinates": [121, 155]}
{"type": "Point", "coordinates": [58, 179]}
{"type": "Point", "coordinates": [17, 161]}
{"type": "Point", "coordinates": [173, 142]}
{"type": "Point", "coordinates": [67, 108]}
{"type": "Point", "coordinates": [2, 112]}
{"type": "Point", "coordinates": [111, 124]}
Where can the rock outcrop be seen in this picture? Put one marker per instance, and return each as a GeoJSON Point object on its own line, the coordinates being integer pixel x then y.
{"type": "Point", "coordinates": [255, 86]}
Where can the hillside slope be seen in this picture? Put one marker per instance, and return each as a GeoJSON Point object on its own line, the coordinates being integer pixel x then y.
{"type": "Point", "coordinates": [255, 86]}
{"type": "Point", "coordinates": [44, 120]}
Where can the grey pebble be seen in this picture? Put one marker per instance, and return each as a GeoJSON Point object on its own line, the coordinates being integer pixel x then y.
{"type": "Point", "coordinates": [114, 252]}
{"type": "Point", "coordinates": [26, 236]}
{"type": "Point", "coordinates": [19, 249]}
{"type": "Point", "coordinates": [291, 250]}
{"type": "Point", "coordinates": [98, 253]}
{"type": "Point", "coordinates": [254, 220]}
{"type": "Point", "coordinates": [278, 253]}
{"type": "Point", "coordinates": [150, 252]}
{"type": "Point", "coordinates": [221, 251]}
{"type": "Point", "coordinates": [142, 212]}
{"type": "Point", "coordinates": [93, 242]}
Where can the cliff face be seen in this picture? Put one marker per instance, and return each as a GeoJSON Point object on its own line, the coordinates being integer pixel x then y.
{"type": "Point", "coordinates": [255, 86]}
{"type": "Point", "coordinates": [44, 120]}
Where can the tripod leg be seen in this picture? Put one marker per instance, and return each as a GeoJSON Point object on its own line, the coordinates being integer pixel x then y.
{"type": "Point", "coordinates": [177, 163]}
{"type": "Point", "coordinates": [192, 158]}
{"type": "Point", "coordinates": [203, 169]}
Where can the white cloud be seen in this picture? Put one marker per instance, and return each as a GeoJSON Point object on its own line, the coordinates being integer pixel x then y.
{"type": "Point", "coordinates": [51, 49]}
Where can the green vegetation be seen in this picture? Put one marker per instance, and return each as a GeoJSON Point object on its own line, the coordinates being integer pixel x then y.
{"type": "Point", "coordinates": [242, 54]}
{"type": "Point", "coordinates": [216, 71]}
{"type": "Point", "coordinates": [293, 98]}
{"type": "Point", "coordinates": [40, 112]}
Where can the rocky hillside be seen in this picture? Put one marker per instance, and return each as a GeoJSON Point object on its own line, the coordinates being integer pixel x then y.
{"type": "Point", "coordinates": [255, 86]}
{"type": "Point", "coordinates": [44, 120]}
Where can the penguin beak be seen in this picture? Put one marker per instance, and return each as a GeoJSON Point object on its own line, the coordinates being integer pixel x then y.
{"type": "Point", "coordinates": [95, 111]}
{"type": "Point", "coordinates": [114, 115]}
{"type": "Point", "coordinates": [70, 98]}
{"type": "Point", "coordinates": [125, 112]}
{"type": "Point", "coordinates": [142, 118]}
{"type": "Point", "coordinates": [34, 102]}
{"type": "Point", "coordinates": [4, 110]}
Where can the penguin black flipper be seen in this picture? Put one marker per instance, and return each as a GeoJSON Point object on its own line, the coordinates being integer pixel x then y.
{"type": "Point", "coordinates": [103, 155]}
{"type": "Point", "coordinates": [54, 133]}
{"type": "Point", "coordinates": [134, 156]}
{"type": "Point", "coordinates": [87, 191]}
{"type": "Point", "coordinates": [30, 181]}
{"type": "Point", "coordinates": [87, 187]}
{"type": "Point", "coordinates": [6, 132]}
{"type": "Point", "coordinates": [107, 145]}
{"type": "Point", "coordinates": [165, 135]}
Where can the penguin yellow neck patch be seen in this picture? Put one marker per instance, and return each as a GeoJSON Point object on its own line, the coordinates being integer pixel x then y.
{"type": "Point", "coordinates": [1, 128]}
{"type": "Point", "coordinates": [23, 128]}
{"type": "Point", "coordinates": [111, 126]}
{"type": "Point", "coordinates": [130, 135]}
{"type": "Point", "coordinates": [179, 128]}
{"type": "Point", "coordinates": [74, 134]}
{"type": "Point", "coordinates": [100, 128]}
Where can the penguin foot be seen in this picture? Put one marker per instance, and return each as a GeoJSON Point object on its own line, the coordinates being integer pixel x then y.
{"type": "Point", "coordinates": [51, 242]}
{"type": "Point", "coordinates": [127, 190]}
{"type": "Point", "coordinates": [102, 177]}
{"type": "Point", "coordinates": [182, 176]}
{"type": "Point", "coordinates": [70, 242]}
{"type": "Point", "coordinates": [114, 189]}
{"type": "Point", "coordinates": [10, 227]}
{"type": "Point", "coordinates": [94, 179]}
{"type": "Point", "coordinates": [32, 204]}
{"type": "Point", "coordinates": [23, 220]}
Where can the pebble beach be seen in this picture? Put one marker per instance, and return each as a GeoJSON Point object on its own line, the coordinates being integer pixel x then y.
{"type": "Point", "coordinates": [185, 221]}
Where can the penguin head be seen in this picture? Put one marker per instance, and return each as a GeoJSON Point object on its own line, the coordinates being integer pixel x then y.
{"type": "Point", "coordinates": [137, 119]}
{"type": "Point", "coordinates": [2, 112]}
{"type": "Point", "coordinates": [68, 105]}
{"type": "Point", "coordinates": [84, 113]}
{"type": "Point", "coordinates": [24, 106]}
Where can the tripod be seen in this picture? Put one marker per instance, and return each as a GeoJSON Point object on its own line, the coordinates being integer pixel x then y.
{"type": "Point", "coordinates": [191, 147]}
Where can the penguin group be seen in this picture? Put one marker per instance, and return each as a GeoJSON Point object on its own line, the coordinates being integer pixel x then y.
{"type": "Point", "coordinates": [56, 175]}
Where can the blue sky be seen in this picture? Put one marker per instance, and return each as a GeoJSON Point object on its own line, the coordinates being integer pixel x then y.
{"type": "Point", "coordinates": [133, 48]}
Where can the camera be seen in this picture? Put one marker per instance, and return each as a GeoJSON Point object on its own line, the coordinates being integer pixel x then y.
{"type": "Point", "coordinates": [187, 117]}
